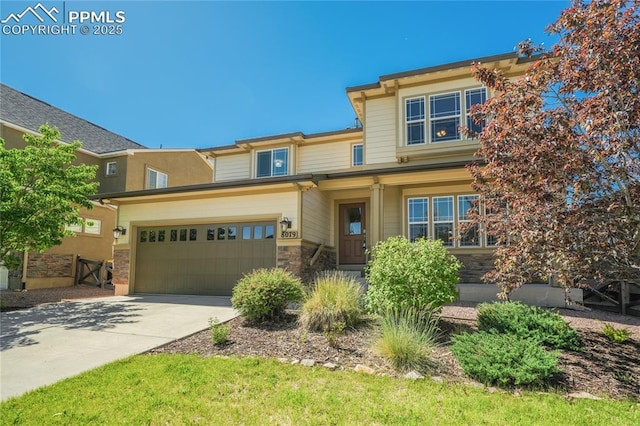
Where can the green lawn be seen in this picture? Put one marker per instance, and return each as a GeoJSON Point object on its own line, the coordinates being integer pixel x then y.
{"type": "Point", "coordinates": [188, 389]}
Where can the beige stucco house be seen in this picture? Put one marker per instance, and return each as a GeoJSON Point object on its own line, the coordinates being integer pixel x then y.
{"type": "Point", "coordinates": [311, 202]}
{"type": "Point", "coordinates": [123, 165]}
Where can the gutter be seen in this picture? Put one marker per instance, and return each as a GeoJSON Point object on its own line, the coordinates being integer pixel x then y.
{"type": "Point", "coordinates": [315, 178]}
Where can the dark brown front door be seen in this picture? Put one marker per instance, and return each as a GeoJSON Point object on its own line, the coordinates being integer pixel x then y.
{"type": "Point", "coordinates": [352, 233]}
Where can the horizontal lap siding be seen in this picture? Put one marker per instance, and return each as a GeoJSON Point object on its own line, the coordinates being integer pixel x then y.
{"type": "Point", "coordinates": [324, 157]}
{"type": "Point", "coordinates": [233, 167]}
{"type": "Point", "coordinates": [380, 136]}
{"type": "Point", "coordinates": [392, 212]}
{"type": "Point", "coordinates": [316, 216]}
{"type": "Point", "coordinates": [201, 210]}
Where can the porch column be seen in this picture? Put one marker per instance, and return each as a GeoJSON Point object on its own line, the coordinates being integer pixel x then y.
{"type": "Point", "coordinates": [377, 215]}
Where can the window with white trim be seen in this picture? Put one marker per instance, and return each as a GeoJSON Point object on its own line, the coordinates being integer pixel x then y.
{"type": "Point", "coordinates": [76, 227]}
{"type": "Point", "coordinates": [156, 179]}
{"type": "Point", "coordinates": [92, 226]}
{"type": "Point", "coordinates": [415, 121]}
{"type": "Point", "coordinates": [474, 97]}
{"type": "Point", "coordinates": [111, 168]}
{"type": "Point", "coordinates": [443, 220]}
{"type": "Point", "coordinates": [272, 162]}
{"type": "Point", "coordinates": [418, 218]}
{"type": "Point", "coordinates": [444, 114]}
{"type": "Point", "coordinates": [467, 205]}
{"type": "Point", "coordinates": [357, 155]}
{"type": "Point", "coordinates": [491, 240]}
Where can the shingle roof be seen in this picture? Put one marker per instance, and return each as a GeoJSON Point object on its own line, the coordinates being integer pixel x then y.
{"type": "Point", "coordinates": [26, 111]}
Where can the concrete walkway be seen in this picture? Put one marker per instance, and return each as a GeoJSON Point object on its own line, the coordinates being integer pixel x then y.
{"type": "Point", "coordinates": [42, 345]}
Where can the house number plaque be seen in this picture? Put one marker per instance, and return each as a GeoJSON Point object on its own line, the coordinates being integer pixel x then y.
{"type": "Point", "coordinates": [287, 235]}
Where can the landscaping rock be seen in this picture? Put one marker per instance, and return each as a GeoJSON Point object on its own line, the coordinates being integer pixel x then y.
{"type": "Point", "coordinates": [413, 374]}
{"type": "Point", "coordinates": [437, 379]}
{"type": "Point", "coordinates": [295, 361]}
{"type": "Point", "coordinates": [330, 365]}
{"type": "Point", "coordinates": [283, 360]}
{"type": "Point", "coordinates": [582, 395]}
{"type": "Point", "coordinates": [364, 369]}
{"type": "Point", "coordinates": [308, 362]}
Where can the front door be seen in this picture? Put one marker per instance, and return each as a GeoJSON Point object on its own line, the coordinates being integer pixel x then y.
{"type": "Point", "coordinates": [352, 233]}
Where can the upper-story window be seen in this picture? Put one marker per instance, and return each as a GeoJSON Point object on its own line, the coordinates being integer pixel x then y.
{"type": "Point", "coordinates": [272, 162]}
{"type": "Point", "coordinates": [357, 155]}
{"type": "Point", "coordinates": [474, 97]}
{"type": "Point", "coordinates": [112, 168]}
{"type": "Point", "coordinates": [156, 179]}
{"type": "Point", "coordinates": [415, 120]}
{"type": "Point", "coordinates": [446, 113]}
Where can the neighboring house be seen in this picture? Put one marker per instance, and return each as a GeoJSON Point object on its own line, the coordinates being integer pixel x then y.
{"type": "Point", "coordinates": [312, 202]}
{"type": "Point", "coordinates": [123, 165]}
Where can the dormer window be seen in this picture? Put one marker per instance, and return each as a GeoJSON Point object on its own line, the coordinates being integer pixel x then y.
{"type": "Point", "coordinates": [272, 162]}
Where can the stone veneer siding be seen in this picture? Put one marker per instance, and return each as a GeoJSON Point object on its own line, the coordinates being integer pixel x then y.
{"type": "Point", "coordinates": [475, 266]}
{"type": "Point", "coordinates": [121, 267]}
{"type": "Point", "coordinates": [44, 265]}
{"type": "Point", "coordinates": [296, 260]}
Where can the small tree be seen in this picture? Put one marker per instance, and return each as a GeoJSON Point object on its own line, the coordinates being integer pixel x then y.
{"type": "Point", "coordinates": [403, 274]}
{"type": "Point", "coordinates": [562, 152]}
{"type": "Point", "coordinates": [40, 193]}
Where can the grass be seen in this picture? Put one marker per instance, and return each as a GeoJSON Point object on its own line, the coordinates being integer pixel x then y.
{"type": "Point", "coordinates": [187, 389]}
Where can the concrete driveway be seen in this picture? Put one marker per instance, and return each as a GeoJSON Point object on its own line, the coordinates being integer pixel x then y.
{"type": "Point", "coordinates": [42, 345]}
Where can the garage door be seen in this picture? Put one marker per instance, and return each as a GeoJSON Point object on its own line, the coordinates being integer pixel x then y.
{"type": "Point", "coordinates": [201, 259]}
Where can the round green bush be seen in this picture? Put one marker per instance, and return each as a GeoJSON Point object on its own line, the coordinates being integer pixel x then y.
{"type": "Point", "coordinates": [403, 274]}
{"type": "Point", "coordinates": [265, 293]}
{"type": "Point", "coordinates": [503, 359]}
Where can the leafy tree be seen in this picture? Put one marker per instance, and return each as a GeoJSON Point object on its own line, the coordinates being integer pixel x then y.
{"type": "Point", "coordinates": [40, 192]}
{"type": "Point", "coordinates": [562, 152]}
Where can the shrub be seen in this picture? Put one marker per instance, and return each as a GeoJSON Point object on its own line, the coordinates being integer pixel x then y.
{"type": "Point", "coordinates": [402, 274]}
{"type": "Point", "coordinates": [334, 303]}
{"type": "Point", "coordinates": [618, 335]}
{"type": "Point", "coordinates": [503, 359]}
{"type": "Point", "coordinates": [264, 293]}
{"type": "Point", "coordinates": [219, 331]}
{"type": "Point", "coordinates": [528, 322]}
{"type": "Point", "coordinates": [408, 339]}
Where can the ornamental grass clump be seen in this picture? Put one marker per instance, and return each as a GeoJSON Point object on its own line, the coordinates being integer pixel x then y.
{"type": "Point", "coordinates": [408, 339]}
{"type": "Point", "coordinates": [528, 322]}
{"type": "Point", "coordinates": [265, 293]}
{"type": "Point", "coordinates": [404, 274]}
{"type": "Point", "coordinates": [334, 304]}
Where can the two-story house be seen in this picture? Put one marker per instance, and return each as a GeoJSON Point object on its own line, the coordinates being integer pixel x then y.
{"type": "Point", "coordinates": [123, 165]}
{"type": "Point", "coordinates": [310, 202]}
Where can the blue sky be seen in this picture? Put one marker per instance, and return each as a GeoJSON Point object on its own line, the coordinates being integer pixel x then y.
{"type": "Point", "coordinates": [204, 73]}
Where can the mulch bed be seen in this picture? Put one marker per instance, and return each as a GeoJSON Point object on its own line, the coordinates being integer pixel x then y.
{"type": "Point", "coordinates": [602, 369]}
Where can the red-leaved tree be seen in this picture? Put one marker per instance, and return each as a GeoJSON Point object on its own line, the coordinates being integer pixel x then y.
{"type": "Point", "coordinates": [561, 148]}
